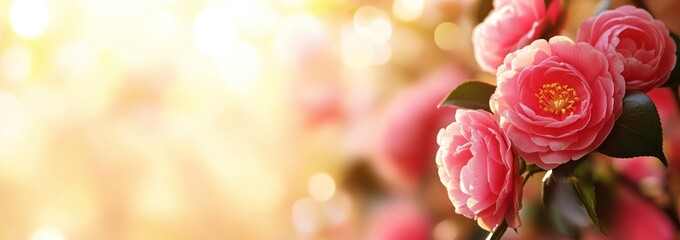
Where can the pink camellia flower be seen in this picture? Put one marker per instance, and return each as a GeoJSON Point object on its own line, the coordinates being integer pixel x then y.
{"type": "Point", "coordinates": [642, 43]}
{"type": "Point", "coordinates": [478, 168]}
{"type": "Point", "coordinates": [557, 100]}
{"type": "Point", "coordinates": [511, 25]}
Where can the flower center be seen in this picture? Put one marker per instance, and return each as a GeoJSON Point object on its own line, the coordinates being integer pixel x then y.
{"type": "Point", "coordinates": [557, 99]}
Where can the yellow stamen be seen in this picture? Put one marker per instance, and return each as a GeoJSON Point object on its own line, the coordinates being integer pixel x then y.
{"type": "Point", "coordinates": [557, 99]}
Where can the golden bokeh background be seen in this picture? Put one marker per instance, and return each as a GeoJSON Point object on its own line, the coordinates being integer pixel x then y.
{"type": "Point", "coordinates": [173, 119]}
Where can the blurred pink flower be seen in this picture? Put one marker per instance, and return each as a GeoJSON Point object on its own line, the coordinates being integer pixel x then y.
{"type": "Point", "coordinates": [399, 220]}
{"type": "Point", "coordinates": [636, 218]}
{"type": "Point", "coordinates": [403, 142]}
{"type": "Point", "coordinates": [642, 43]}
{"type": "Point", "coordinates": [639, 169]}
{"type": "Point", "coordinates": [557, 100]}
{"type": "Point", "coordinates": [479, 170]}
{"type": "Point", "coordinates": [511, 25]}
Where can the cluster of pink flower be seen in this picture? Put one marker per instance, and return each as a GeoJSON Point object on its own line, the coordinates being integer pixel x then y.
{"type": "Point", "coordinates": [556, 100]}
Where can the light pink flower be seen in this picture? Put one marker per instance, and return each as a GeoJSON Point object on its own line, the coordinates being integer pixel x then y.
{"type": "Point", "coordinates": [479, 170]}
{"type": "Point", "coordinates": [557, 100]}
{"type": "Point", "coordinates": [642, 43]}
{"type": "Point", "coordinates": [511, 25]}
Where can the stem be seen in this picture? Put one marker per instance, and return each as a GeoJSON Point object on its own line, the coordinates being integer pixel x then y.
{"type": "Point", "coordinates": [495, 235]}
{"type": "Point", "coordinates": [531, 169]}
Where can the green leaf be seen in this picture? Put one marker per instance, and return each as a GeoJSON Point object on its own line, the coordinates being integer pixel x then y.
{"type": "Point", "coordinates": [483, 9]}
{"type": "Point", "coordinates": [637, 132]}
{"type": "Point", "coordinates": [498, 233]}
{"type": "Point", "coordinates": [586, 195]}
{"type": "Point", "coordinates": [674, 79]}
{"type": "Point", "coordinates": [471, 95]}
{"type": "Point", "coordinates": [548, 185]}
{"type": "Point", "coordinates": [569, 192]}
{"type": "Point", "coordinates": [564, 210]}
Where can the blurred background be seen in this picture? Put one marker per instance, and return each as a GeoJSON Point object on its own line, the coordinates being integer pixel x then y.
{"type": "Point", "coordinates": [233, 119]}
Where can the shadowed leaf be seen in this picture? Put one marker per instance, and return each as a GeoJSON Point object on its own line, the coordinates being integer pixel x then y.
{"type": "Point", "coordinates": [586, 194]}
{"type": "Point", "coordinates": [569, 193]}
{"type": "Point", "coordinates": [470, 95]}
{"type": "Point", "coordinates": [637, 132]}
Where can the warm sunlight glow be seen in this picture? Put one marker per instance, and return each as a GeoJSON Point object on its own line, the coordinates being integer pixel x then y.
{"type": "Point", "coordinates": [213, 31]}
{"type": "Point", "coordinates": [47, 233]}
{"type": "Point", "coordinates": [16, 64]}
{"type": "Point", "coordinates": [321, 187]}
{"type": "Point", "coordinates": [373, 23]}
{"type": "Point", "coordinates": [29, 18]}
{"type": "Point", "coordinates": [446, 36]}
{"type": "Point", "coordinates": [408, 10]}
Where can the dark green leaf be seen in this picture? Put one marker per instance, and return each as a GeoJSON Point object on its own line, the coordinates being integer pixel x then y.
{"type": "Point", "coordinates": [568, 191]}
{"type": "Point", "coordinates": [548, 185]}
{"type": "Point", "coordinates": [637, 132]}
{"type": "Point", "coordinates": [579, 167]}
{"type": "Point", "coordinates": [483, 9]}
{"type": "Point", "coordinates": [564, 210]}
{"type": "Point", "coordinates": [471, 95]}
{"type": "Point", "coordinates": [674, 79]}
{"type": "Point", "coordinates": [586, 194]}
{"type": "Point", "coordinates": [498, 233]}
